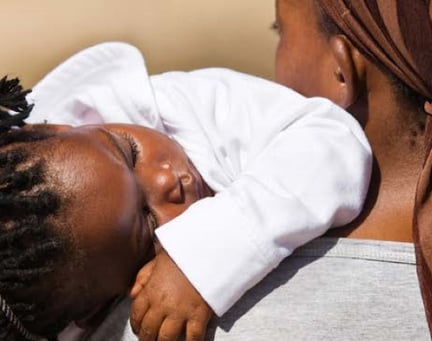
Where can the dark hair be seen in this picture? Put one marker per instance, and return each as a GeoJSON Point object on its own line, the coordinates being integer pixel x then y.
{"type": "Point", "coordinates": [329, 28]}
{"type": "Point", "coordinates": [31, 249]}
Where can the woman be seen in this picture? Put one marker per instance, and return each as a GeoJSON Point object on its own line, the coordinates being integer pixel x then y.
{"type": "Point", "coordinates": [373, 59]}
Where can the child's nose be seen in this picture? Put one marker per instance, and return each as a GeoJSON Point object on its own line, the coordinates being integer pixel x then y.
{"type": "Point", "coordinates": [172, 183]}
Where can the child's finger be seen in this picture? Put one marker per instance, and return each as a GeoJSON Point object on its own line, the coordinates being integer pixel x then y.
{"type": "Point", "coordinates": [139, 308]}
{"type": "Point", "coordinates": [196, 330]}
{"type": "Point", "coordinates": [141, 279]}
{"type": "Point", "coordinates": [150, 325]}
{"type": "Point", "coordinates": [171, 329]}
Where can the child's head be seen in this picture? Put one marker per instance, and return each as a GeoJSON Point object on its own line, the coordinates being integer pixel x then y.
{"type": "Point", "coordinates": [77, 209]}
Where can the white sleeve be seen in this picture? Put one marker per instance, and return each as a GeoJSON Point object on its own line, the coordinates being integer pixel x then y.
{"type": "Point", "coordinates": [105, 83]}
{"type": "Point", "coordinates": [312, 174]}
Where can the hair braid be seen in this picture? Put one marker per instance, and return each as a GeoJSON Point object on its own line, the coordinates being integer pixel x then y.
{"type": "Point", "coordinates": [13, 98]}
{"type": "Point", "coordinates": [30, 248]}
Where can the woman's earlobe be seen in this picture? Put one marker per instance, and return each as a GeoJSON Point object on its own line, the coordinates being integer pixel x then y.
{"type": "Point", "coordinates": [339, 76]}
{"type": "Point", "coordinates": [349, 70]}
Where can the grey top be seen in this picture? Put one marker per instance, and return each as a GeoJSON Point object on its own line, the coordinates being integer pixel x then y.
{"type": "Point", "coordinates": [330, 289]}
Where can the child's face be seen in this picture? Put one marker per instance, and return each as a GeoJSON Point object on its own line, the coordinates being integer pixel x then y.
{"type": "Point", "coordinates": [112, 191]}
{"type": "Point", "coordinates": [302, 56]}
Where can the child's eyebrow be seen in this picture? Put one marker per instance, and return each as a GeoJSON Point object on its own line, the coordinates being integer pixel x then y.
{"type": "Point", "coordinates": [114, 143]}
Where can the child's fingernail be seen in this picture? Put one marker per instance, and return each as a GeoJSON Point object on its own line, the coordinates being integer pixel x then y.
{"type": "Point", "coordinates": [133, 291]}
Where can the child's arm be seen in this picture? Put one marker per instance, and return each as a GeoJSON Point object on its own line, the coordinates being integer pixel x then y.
{"type": "Point", "coordinates": [288, 168]}
{"type": "Point", "coordinates": [295, 167]}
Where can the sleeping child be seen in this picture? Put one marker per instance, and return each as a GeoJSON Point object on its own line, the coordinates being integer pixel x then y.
{"type": "Point", "coordinates": [226, 172]}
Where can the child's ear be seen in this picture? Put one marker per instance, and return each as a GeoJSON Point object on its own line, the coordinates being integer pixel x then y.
{"type": "Point", "coordinates": [348, 71]}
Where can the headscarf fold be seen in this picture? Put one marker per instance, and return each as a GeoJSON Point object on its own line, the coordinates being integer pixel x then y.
{"type": "Point", "coordinates": [395, 33]}
{"type": "Point", "coordinates": [422, 230]}
{"type": "Point", "coordinates": [398, 34]}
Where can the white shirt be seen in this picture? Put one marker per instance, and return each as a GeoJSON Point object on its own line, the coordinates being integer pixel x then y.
{"type": "Point", "coordinates": [285, 168]}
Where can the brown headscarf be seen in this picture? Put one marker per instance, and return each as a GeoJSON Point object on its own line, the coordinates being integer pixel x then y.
{"type": "Point", "coordinates": [398, 34]}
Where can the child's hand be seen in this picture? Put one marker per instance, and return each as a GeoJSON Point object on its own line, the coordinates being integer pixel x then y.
{"type": "Point", "coordinates": [165, 303]}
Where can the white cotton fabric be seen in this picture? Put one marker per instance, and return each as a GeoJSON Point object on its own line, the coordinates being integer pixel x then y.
{"type": "Point", "coordinates": [285, 168]}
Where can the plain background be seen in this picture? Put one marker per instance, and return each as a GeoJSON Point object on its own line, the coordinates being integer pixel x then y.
{"type": "Point", "coordinates": [36, 35]}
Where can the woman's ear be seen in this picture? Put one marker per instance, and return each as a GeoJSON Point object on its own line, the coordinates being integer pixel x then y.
{"type": "Point", "coordinates": [348, 72]}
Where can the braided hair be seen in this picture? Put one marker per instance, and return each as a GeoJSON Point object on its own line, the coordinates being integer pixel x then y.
{"type": "Point", "coordinates": [30, 248]}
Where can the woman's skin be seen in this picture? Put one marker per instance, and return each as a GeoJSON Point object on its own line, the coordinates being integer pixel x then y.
{"type": "Point", "coordinates": [348, 78]}
{"type": "Point", "coordinates": [118, 180]}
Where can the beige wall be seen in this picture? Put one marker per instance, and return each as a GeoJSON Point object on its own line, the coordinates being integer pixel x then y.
{"type": "Point", "coordinates": [174, 34]}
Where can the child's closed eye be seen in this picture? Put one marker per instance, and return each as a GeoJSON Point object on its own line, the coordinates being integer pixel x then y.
{"type": "Point", "coordinates": [133, 146]}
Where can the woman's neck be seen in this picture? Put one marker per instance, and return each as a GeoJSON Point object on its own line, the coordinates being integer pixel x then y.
{"type": "Point", "coordinates": [397, 143]}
